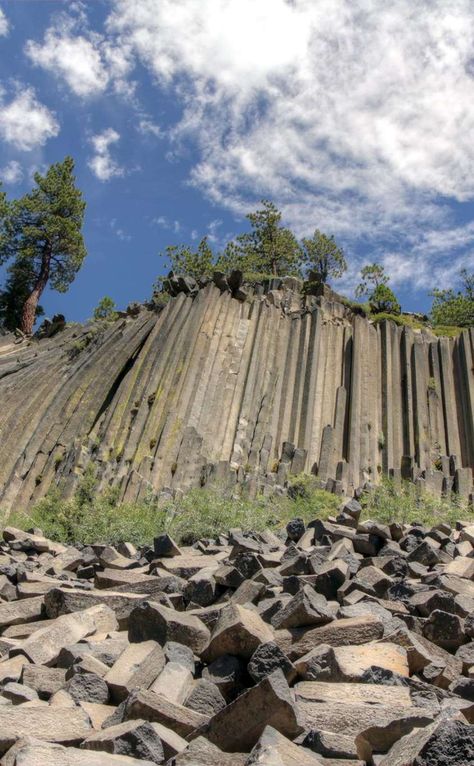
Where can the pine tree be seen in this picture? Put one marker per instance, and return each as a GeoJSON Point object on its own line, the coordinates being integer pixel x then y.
{"type": "Point", "coordinates": [322, 257]}
{"type": "Point", "coordinates": [452, 308]}
{"type": "Point", "coordinates": [268, 249]}
{"type": "Point", "coordinates": [193, 263]}
{"type": "Point", "coordinates": [43, 235]}
{"type": "Point", "coordinates": [375, 284]}
{"type": "Point", "coordinates": [372, 276]}
{"type": "Point", "coordinates": [382, 300]}
{"type": "Point", "coordinates": [106, 310]}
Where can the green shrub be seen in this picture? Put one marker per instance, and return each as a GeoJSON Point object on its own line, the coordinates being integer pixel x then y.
{"type": "Point", "coordinates": [101, 520]}
{"type": "Point", "coordinates": [94, 333]}
{"type": "Point", "coordinates": [455, 309]}
{"type": "Point", "coordinates": [447, 331]}
{"type": "Point", "coordinates": [390, 502]}
{"type": "Point", "coordinates": [402, 320]}
{"type": "Point", "coordinates": [359, 308]}
{"type": "Point", "coordinates": [99, 517]}
{"type": "Point", "coordinates": [105, 311]}
{"type": "Point", "coordinates": [257, 278]}
{"type": "Point", "coordinates": [383, 300]}
{"type": "Point", "coordinates": [92, 517]}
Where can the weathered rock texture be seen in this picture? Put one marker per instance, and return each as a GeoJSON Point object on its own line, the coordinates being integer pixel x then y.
{"type": "Point", "coordinates": [248, 677]}
{"type": "Point", "coordinates": [244, 386]}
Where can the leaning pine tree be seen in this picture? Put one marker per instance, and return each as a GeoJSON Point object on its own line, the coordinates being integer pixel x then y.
{"type": "Point", "coordinates": [43, 233]}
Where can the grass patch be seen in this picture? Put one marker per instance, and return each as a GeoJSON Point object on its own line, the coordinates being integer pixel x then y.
{"type": "Point", "coordinates": [92, 517]}
{"type": "Point", "coordinates": [202, 513]}
{"type": "Point", "coordinates": [447, 331]}
{"type": "Point", "coordinates": [390, 502]}
{"type": "Point", "coordinates": [405, 320]}
{"type": "Point", "coordinates": [359, 308]}
{"type": "Point", "coordinates": [402, 320]}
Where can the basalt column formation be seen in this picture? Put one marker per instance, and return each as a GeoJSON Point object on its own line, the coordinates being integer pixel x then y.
{"type": "Point", "coordinates": [238, 385]}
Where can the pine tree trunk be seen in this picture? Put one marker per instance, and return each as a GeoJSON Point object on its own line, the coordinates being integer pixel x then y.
{"type": "Point", "coordinates": [31, 303]}
{"type": "Point", "coordinates": [29, 312]}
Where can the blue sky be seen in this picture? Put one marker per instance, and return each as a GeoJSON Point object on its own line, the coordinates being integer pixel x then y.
{"type": "Point", "coordinates": [354, 116]}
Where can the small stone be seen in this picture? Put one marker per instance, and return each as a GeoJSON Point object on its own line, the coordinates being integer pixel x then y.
{"type": "Point", "coordinates": [179, 653]}
{"type": "Point", "coordinates": [227, 673]}
{"type": "Point", "coordinates": [174, 682]}
{"type": "Point", "coordinates": [88, 687]}
{"type": "Point", "coordinates": [238, 726]}
{"type": "Point", "coordinates": [18, 693]}
{"type": "Point", "coordinates": [205, 698]}
{"type": "Point", "coordinates": [273, 748]}
{"type": "Point", "coordinates": [443, 743]}
{"type": "Point", "coordinates": [154, 621]}
{"type": "Point", "coordinates": [444, 629]}
{"type": "Point", "coordinates": [133, 738]}
{"type": "Point", "coordinates": [266, 659]}
{"type": "Point", "coordinates": [305, 608]}
{"type": "Point", "coordinates": [238, 631]}
{"type": "Point", "coordinates": [295, 529]}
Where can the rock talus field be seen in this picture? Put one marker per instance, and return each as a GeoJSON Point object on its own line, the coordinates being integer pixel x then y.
{"type": "Point", "coordinates": [321, 655]}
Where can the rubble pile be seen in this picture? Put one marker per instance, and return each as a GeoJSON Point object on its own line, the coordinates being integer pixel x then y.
{"type": "Point", "coordinates": [338, 642]}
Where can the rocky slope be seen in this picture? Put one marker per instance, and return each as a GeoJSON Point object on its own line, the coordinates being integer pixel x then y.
{"type": "Point", "coordinates": [339, 644]}
{"type": "Point", "coordinates": [235, 384]}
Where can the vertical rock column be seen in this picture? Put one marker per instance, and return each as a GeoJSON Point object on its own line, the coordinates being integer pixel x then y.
{"type": "Point", "coordinates": [464, 359]}
{"type": "Point", "coordinates": [453, 445]}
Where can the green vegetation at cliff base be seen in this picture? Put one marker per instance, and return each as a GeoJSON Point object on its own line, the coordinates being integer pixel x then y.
{"type": "Point", "coordinates": [92, 517]}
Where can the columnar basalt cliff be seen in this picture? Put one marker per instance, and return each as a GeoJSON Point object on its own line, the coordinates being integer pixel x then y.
{"type": "Point", "coordinates": [235, 384]}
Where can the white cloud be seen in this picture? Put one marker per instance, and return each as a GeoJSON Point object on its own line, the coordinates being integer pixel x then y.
{"type": "Point", "coordinates": [161, 221]}
{"type": "Point", "coordinates": [86, 61]}
{"type": "Point", "coordinates": [120, 233]}
{"type": "Point", "coordinates": [149, 127]}
{"type": "Point", "coordinates": [354, 115]}
{"type": "Point", "coordinates": [12, 173]}
{"type": "Point", "coordinates": [25, 122]}
{"type": "Point", "coordinates": [76, 59]}
{"type": "Point", "coordinates": [102, 163]}
{"type": "Point", "coordinates": [164, 223]}
{"type": "Point", "coordinates": [4, 25]}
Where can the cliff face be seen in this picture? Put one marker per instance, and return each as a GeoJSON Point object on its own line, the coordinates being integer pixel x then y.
{"type": "Point", "coordinates": [225, 388]}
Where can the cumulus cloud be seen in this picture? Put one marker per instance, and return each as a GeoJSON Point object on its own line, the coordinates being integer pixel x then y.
{"type": "Point", "coordinates": [83, 59]}
{"type": "Point", "coordinates": [102, 163]}
{"type": "Point", "coordinates": [355, 116]}
{"type": "Point", "coordinates": [12, 173]}
{"type": "Point", "coordinates": [4, 26]}
{"type": "Point", "coordinates": [164, 223]}
{"type": "Point", "coordinates": [25, 122]}
{"type": "Point", "coordinates": [148, 127]}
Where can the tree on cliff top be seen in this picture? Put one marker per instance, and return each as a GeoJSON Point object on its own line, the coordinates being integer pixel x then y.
{"type": "Point", "coordinates": [194, 263]}
{"type": "Point", "coordinates": [322, 257]}
{"type": "Point", "coordinates": [268, 248]}
{"type": "Point", "coordinates": [374, 283]}
{"type": "Point", "coordinates": [43, 234]}
{"type": "Point", "coordinates": [106, 310]}
{"type": "Point", "coordinates": [452, 308]}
